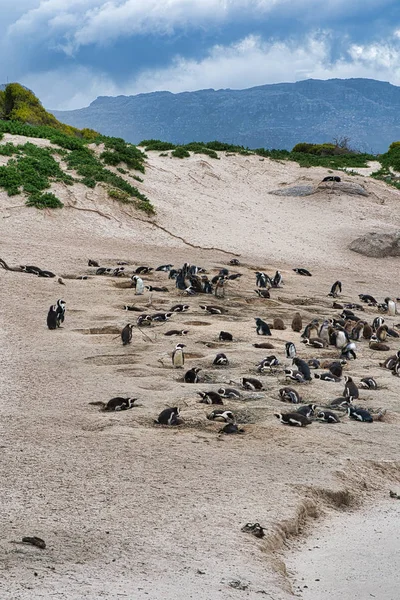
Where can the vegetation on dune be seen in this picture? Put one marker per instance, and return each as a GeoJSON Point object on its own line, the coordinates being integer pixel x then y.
{"type": "Point", "coordinates": [390, 161]}
{"type": "Point", "coordinates": [32, 169]}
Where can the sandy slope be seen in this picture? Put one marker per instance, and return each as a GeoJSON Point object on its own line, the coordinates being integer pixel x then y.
{"type": "Point", "coordinates": [129, 510]}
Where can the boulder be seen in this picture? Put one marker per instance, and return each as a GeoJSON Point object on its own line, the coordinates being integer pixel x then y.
{"type": "Point", "coordinates": [377, 244]}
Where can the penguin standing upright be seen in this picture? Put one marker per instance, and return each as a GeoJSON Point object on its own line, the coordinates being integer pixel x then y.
{"type": "Point", "coordinates": [290, 350]}
{"type": "Point", "coordinates": [297, 322]}
{"type": "Point", "coordinates": [126, 334]}
{"type": "Point", "coordinates": [262, 327]}
{"type": "Point", "coordinates": [335, 289]}
{"type": "Point", "coordinates": [52, 317]}
{"type": "Point", "coordinates": [303, 368]}
{"type": "Point", "coordinates": [178, 356]}
{"type": "Point", "coordinates": [277, 280]}
{"type": "Point", "coordinates": [391, 307]}
{"type": "Point", "coordinates": [350, 388]}
{"type": "Point", "coordinates": [138, 284]}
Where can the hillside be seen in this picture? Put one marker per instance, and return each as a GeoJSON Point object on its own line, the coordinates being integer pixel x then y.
{"type": "Point", "coordinates": [269, 116]}
{"type": "Point", "coordinates": [131, 509]}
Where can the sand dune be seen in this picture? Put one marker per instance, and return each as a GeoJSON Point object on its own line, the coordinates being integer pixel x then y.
{"type": "Point", "coordinates": [132, 510]}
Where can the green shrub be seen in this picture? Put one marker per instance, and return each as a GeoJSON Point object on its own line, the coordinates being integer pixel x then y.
{"type": "Point", "coordinates": [180, 152]}
{"type": "Point", "coordinates": [156, 145]}
{"type": "Point", "coordinates": [48, 200]}
{"type": "Point", "coordinates": [118, 195]}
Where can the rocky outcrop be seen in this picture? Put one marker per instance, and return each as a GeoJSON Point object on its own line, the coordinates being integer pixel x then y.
{"type": "Point", "coordinates": [377, 245]}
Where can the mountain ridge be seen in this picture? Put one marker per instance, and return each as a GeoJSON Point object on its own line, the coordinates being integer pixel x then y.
{"type": "Point", "coordinates": [270, 116]}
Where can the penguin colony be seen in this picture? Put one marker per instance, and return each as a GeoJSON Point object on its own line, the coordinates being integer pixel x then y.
{"type": "Point", "coordinates": [321, 351]}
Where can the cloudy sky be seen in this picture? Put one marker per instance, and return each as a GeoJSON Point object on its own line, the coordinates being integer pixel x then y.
{"type": "Point", "coordinates": [71, 51]}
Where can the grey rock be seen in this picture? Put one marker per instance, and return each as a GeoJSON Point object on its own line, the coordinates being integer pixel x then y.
{"type": "Point", "coordinates": [377, 245]}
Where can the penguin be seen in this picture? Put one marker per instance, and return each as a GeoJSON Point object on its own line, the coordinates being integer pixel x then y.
{"type": "Point", "coordinates": [393, 333]}
{"type": "Point", "coordinates": [277, 280]}
{"type": "Point", "coordinates": [301, 271]}
{"type": "Point", "coordinates": [333, 178]}
{"type": "Point", "coordinates": [302, 367]}
{"type": "Point", "coordinates": [224, 416]}
{"type": "Point", "coordinates": [327, 416]}
{"type": "Point", "coordinates": [225, 336]}
{"type": "Point", "coordinates": [173, 274]}
{"type": "Point", "coordinates": [252, 384]}
{"type": "Point", "coordinates": [143, 270]}
{"type": "Point", "coordinates": [311, 330]}
{"type": "Point", "coordinates": [293, 419]}
{"type": "Point", "coordinates": [60, 312]}
{"type": "Point", "coordinates": [375, 345]}
{"type": "Point", "coordinates": [164, 268]}
{"type": "Point", "coordinates": [152, 288]}
{"type": "Point", "coordinates": [336, 368]}
{"type": "Point", "coordinates": [381, 333]}
{"type": "Point", "coordinates": [359, 414]}
{"type": "Point", "coordinates": [327, 377]}
{"type": "Point", "coordinates": [138, 285]}
{"type": "Point", "coordinates": [30, 269]}
{"type": "Point", "coordinates": [116, 404]}
{"type": "Point", "coordinates": [144, 320]}
{"type": "Point", "coordinates": [234, 276]}
{"type": "Point", "coordinates": [341, 338]}
{"type": "Point", "coordinates": [177, 332]}
{"type": "Point", "coordinates": [367, 331]}
{"type": "Point", "coordinates": [335, 289]}
{"type": "Point", "coordinates": [290, 350]}
{"type": "Point", "coordinates": [178, 356]}
{"type": "Point", "coordinates": [122, 262]}
{"type": "Point", "coordinates": [169, 416]}
{"type": "Point", "coordinates": [265, 346]}
{"type": "Point", "coordinates": [229, 393]}
{"type": "Point", "coordinates": [391, 307]}
{"type": "Point", "coordinates": [323, 332]}
{"type": "Point", "coordinates": [213, 310]}
{"type": "Point", "coordinates": [126, 334]}
{"type": "Point", "coordinates": [210, 398]}
{"type": "Point", "coordinates": [368, 383]}
{"type": "Point", "coordinates": [192, 376]}
{"type": "Point", "coordinates": [350, 388]}
{"type": "Point", "coordinates": [368, 299]}
{"type": "Point", "coordinates": [349, 351]}
{"type": "Point", "coordinates": [313, 363]}
{"type": "Point", "coordinates": [52, 317]}
{"type": "Point", "coordinates": [231, 428]}
{"type": "Point", "coordinates": [48, 274]}
{"type": "Point", "coordinates": [289, 394]}
{"type": "Point", "coordinates": [262, 327]}
{"type": "Point", "coordinates": [221, 359]}
{"type": "Point", "coordinates": [377, 322]}
{"type": "Point", "coordinates": [179, 308]}
{"type": "Point", "coordinates": [103, 271]}
{"type": "Point", "coordinates": [294, 375]}
{"type": "Point", "coordinates": [278, 324]}
{"type": "Point", "coordinates": [161, 317]}
{"type": "Point", "coordinates": [315, 342]}
{"type": "Point", "coordinates": [93, 263]}
{"type": "Point", "coordinates": [263, 293]}
{"type": "Point", "coordinates": [307, 410]}
{"type": "Point", "coordinates": [267, 363]}
{"type": "Point", "coordinates": [357, 330]}
{"type": "Point", "coordinates": [390, 362]}
{"type": "Point", "coordinates": [262, 280]}
{"type": "Point", "coordinates": [132, 307]}
{"type": "Point", "coordinates": [234, 262]}
{"type": "Point", "coordinates": [340, 402]}
{"type": "Point", "coordinates": [297, 322]}
{"type": "Point", "coordinates": [118, 272]}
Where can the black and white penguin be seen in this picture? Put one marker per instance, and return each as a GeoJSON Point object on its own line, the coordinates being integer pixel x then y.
{"type": "Point", "coordinates": [138, 284]}
{"type": "Point", "coordinates": [314, 342]}
{"type": "Point", "coordinates": [249, 383]}
{"type": "Point", "coordinates": [336, 289]}
{"type": "Point", "coordinates": [234, 276]}
{"type": "Point", "coordinates": [210, 398]}
{"type": "Point", "coordinates": [177, 332]}
{"type": "Point", "coordinates": [180, 308]}
{"type": "Point", "coordinates": [303, 367]}
{"type": "Point", "coordinates": [126, 334]}
{"type": "Point", "coordinates": [267, 363]}
{"type": "Point", "coordinates": [290, 350]}
{"type": "Point", "coordinates": [169, 416]}
{"type": "Point", "coordinates": [340, 402]}
{"type": "Point", "coordinates": [178, 356]}
{"type": "Point", "coordinates": [144, 320]}
{"type": "Point", "coordinates": [333, 178]}
{"type": "Point", "coordinates": [262, 327]}
{"type": "Point", "coordinates": [301, 271]}
{"type": "Point", "coordinates": [327, 377]}
{"type": "Point", "coordinates": [368, 299]}
{"type": "Point", "coordinates": [359, 414]}
{"type": "Point", "coordinates": [293, 419]}
{"type": "Point", "coordinates": [231, 428]}
{"type": "Point", "coordinates": [390, 362]}
{"type": "Point", "coordinates": [263, 280]}
{"type": "Point", "coordinates": [93, 263]}
{"type": "Point", "coordinates": [118, 272]}
{"type": "Point", "coordinates": [221, 415]}
{"type": "Point", "coordinates": [221, 359]}
{"type": "Point", "coordinates": [377, 322]}
{"type": "Point", "coordinates": [213, 310]}
{"type": "Point", "coordinates": [161, 317]}
{"type": "Point", "coordinates": [368, 383]}
{"type": "Point", "coordinates": [391, 307]}
{"type": "Point", "coordinates": [375, 345]}
{"type": "Point", "coordinates": [263, 293]}
{"type": "Point", "coordinates": [294, 375]}
{"type": "Point", "coordinates": [143, 270]}
{"type": "Point", "coordinates": [116, 404]}
{"type": "Point", "coordinates": [288, 394]}
{"type": "Point", "coordinates": [56, 315]}
{"type": "Point", "coordinates": [154, 288]}
{"type": "Point", "coordinates": [277, 281]}
{"type": "Point", "coordinates": [327, 416]}
{"type": "Point", "coordinates": [348, 351]}
{"type": "Point", "coordinates": [234, 261]}
{"type": "Point", "coordinates": [313, 363]}
{"type": "Point", "coordinates": [229, 393]}
{"type": "Point", "coordinates": [350, 388]}
{"type": "Point", "coordinates": [192, 376]}
{"type": "Point", "coordinates": [225, 336]}
{"type": "Point", "coordinates": [336, 368]}
{"type": "Point", "coordinates": [164, 268]}
{"type": "Point", "coordinates": [307, 410]}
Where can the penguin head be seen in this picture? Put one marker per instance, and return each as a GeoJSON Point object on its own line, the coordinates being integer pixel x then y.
{"type": "Point", "coordinates": [180, 346]}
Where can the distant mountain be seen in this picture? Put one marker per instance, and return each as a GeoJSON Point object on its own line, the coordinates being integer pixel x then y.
{"type": "Point", "coordinates": [269, 116]}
